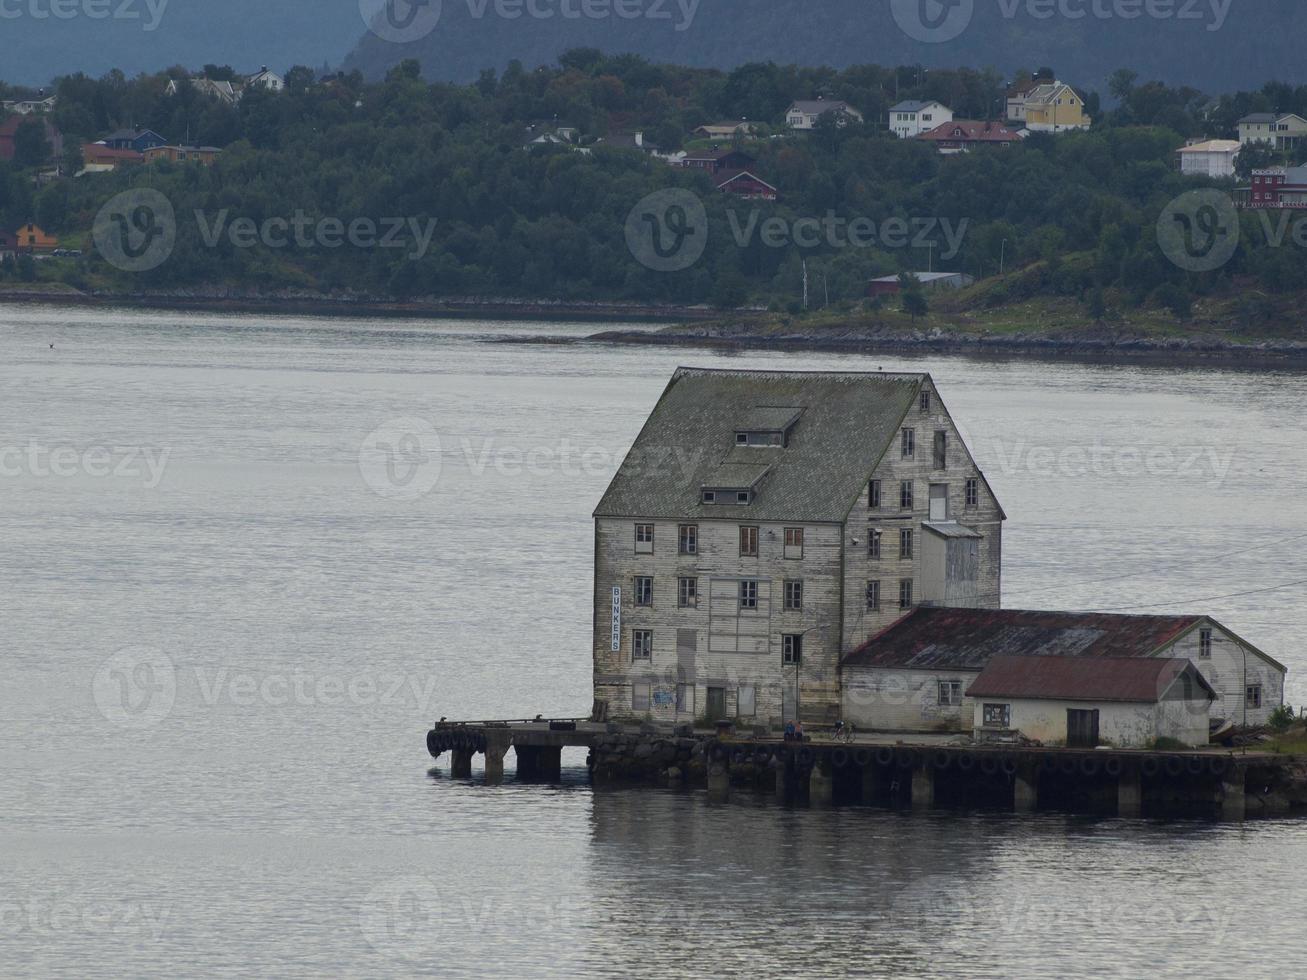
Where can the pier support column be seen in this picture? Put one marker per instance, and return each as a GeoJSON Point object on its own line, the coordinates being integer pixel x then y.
{"type": "Point", "coordinates": [496, 749]}
{"type": "Point", "coordinates": [923, 787]}
{"type": "Point", "coordinates": [1234, 803]}
{"type": "Point", "coordinates": [782, 781]}
{"type": "Point", "coordinates": [460, 764]}
{"type": "Point", "coordinates": [549, 764]}
{"type": "Point", "coordinates": [1130, 794]}
{"type": "Point", "coordinates": [719, 781]}
{"type": "Point", "coordinates": [821, 786]}
{"type": "Point", "coordinates": [528, 763]}
{"type": "Point", "coordinates": [870, 783]}
{"type": "Point", "coordinates": [1025, 789]}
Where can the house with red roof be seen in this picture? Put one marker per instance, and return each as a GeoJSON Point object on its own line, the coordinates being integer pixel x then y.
{"type": "Point", "coordinates": [962, 135]}
{"type": "Point", "coordinates": [744, 183]}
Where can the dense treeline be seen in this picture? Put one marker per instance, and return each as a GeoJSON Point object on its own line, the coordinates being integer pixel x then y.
{"type": "Point", "coordinates": [1078, 211]}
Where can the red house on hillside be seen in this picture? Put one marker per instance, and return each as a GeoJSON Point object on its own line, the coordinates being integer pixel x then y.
{"type": "Point", "coordinates": [1278, 187]}
{"type": "Point", "coordinates": [746, 185]}
{"type": "Point", "coordinates": [962, 135]}
{"type": "Point", "coordinates": [9, 131]}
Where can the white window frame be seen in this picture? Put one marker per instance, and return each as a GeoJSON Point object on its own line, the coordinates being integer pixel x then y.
{"type": "Point", "coordinates": [643, 545]}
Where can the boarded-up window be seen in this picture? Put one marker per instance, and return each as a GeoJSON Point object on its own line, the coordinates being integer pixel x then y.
{"type": "Point", "coordinates": [746, 706]}
{"type": "Point", "coordinates": [794, 542]}
{"type": "Point", "coordinates": [940, 458]}
{"type": "Point", "coordinates": [640, 693]}
{"type": "Point", "coordinates": [685, 698]}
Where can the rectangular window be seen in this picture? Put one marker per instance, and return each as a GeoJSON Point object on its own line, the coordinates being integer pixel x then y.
{"type": "Point", "coordinates": [873, 542]}
{"type": "Point", "coordinates": [997, 715]}
{"type": "Point", "coordinates": [925, 395]}
{"type": "Point", "coordinates": [1253, 695]}
{"type": "Point", "coordinates": [905, 593]}
{"type": "Point", "coordinates": [873, 495]}
{"type": "Point", "coordinates": [950, 693]}
{"type": "Point", "coordinates": [748, 542]}
{"type": "Point", "coordinates": [644, 534]}
{"type": "Point", "coordinates": [905, 542]}
{"type": "Point", "coordinates": [905, 495]}
{"type": "Point", "coordinates": [941, 450]}
{"type": "Point", "coordinates": [640, 693]}
{"type": "Point", "coordinates": [644, 590]}
{"type": "Point", "coordinates": [793, 595]}
{"type": "Point", "coordinates": [687, 592]}
{"type": "Point", "coordinates": [742, 496]}
{"type": "Point", "coordinates": [973, 493]}
{"type": "Point", "coordinates": [687, 536]}
{"type": "Point", "coordinates": [794, 542]}
{"type": "Point", "coordinates": [792, 649]}
{"type": "Point", "coordinates": [710, 497]}
{"type": "Point", "coordinates": [873, 596]}
{"type": "Point", "coordinates": [748, 594]}
{"type": "Point", "coordinates": [746, 702]}
{"type": "Point", "coordinates": [909, 441]}
{"type": "Point", "coordinates": [641, 644]}
{"type": "Point", "coordinates": [685, 699]}
{"type": "Point", "coordinates": [1205, 644]}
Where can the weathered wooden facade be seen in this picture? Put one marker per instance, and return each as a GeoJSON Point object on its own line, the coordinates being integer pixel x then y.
{"type": "Point", "coordinates": [765, 524]}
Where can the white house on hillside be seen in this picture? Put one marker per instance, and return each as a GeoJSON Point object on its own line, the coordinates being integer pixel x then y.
{"type": "Point", "coordinates": [804, 114]}
{"type": "Point", "coordinates": [1213, 158]}
{"type": "Point", "coordinates": [912, 118]}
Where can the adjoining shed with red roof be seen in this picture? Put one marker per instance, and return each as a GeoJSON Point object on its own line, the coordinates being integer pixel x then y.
{"type": "Point", "coordinates": [1083, 702]}
{"type": "Point", "coordinates": [917, 674]}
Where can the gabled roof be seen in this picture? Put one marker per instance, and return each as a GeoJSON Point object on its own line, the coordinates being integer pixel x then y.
{"type": "Point", "coordinates": [915, 105]}
{"type": "Point", "coordinates": [1047, 92]}
{"type": "Point", "coordinates": [849, 420]}
{"type": "Point", "coordinates": [1269, 117]}
{"type": "Point", "coordinates": [1139, 679]}
{"type": "Point", "coordinates": [1212, 146]}
{"type": "Point", "coordinates": [971, 131]}
{"type": "Point", "coordinates": [724, 177]}
{"type": "Point", "coordinates": [968, 639]}
{"type": "Point", "coordinates": [819, 106]}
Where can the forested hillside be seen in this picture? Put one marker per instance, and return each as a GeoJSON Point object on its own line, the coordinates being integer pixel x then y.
{"type": "Point", "coordinates": [1072, 216]}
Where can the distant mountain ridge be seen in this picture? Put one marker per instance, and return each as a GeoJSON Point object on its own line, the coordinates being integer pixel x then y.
{"type": "Point", "coordinates": [149, 35]}
{"type": "Point", "coordinates": [1212, 45]}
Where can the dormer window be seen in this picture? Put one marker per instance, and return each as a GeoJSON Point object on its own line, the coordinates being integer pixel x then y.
{"type": "Point", "coordinates": [742, 496]}
{"type": "Point", "coordinates": [710, 496]}
{"type": "Point", "coordinates": [760, 438]}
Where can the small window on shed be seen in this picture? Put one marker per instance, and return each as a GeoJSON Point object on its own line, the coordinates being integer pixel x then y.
{"type": "Point", "coordinates": [709, 497]}
{"type": "Point", "coordinates": [1205, 644]}
{"type": "Point", "coordinates": [925, 394]}
{"type": "Point", "coordinates": [746, 701]}
{"type": "Point", "coordinates": [950, 693]}
{"type": "Point", "coordinates": [1253, 695]}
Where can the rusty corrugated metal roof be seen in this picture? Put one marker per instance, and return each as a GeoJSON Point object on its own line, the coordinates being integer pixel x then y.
{"type": "Point", "coordinates": [1145, 679]}
{"type": "Point", "coordinates": [968, 639]}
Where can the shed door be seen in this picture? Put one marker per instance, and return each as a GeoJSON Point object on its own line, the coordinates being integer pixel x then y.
{"type": "Point", "coordinates": [1081, 728]}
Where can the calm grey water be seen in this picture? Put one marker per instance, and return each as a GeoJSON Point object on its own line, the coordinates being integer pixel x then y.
{"type": "Point", "coordinates": [222, 648]}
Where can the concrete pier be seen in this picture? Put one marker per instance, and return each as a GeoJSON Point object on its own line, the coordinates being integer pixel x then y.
{"type": "Point", "coordinates": [821, 786]}
{"type": "Point", "coordinates": [1025, 789]}
{"type": "Point", "coordinates": [923, 786]}
{"type": "Point", "coordinates": [877, 772]}
{"type": "Point", "coordinates": [1130, 794]}
{"type": "Point", "coordinates": [460, 764]}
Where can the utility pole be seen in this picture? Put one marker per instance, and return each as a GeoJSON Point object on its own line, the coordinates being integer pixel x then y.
{"type": "Point", "coordinates": [1002, 257]}
{"type": "Point", "coordinates": [805, 284]}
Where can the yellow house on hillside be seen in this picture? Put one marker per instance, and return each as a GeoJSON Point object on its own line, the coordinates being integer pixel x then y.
{"type": "Point", "coordinates": [1055, 107]}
